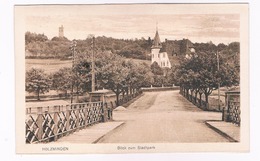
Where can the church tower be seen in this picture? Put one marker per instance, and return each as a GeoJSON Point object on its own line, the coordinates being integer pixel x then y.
{"type": "Point", "coordinates": [155, 53]}
{"type": "Point", "coordinates": [61, 31]}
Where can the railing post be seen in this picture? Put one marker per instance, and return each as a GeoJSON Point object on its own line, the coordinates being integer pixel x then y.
{"type": "Point", "coordinates": [105, 112]}
{"type": "Point", "coordinates": [86, 114]}
{"type": "Point", "coordinates": [68, 117]}
{"type": "Point", "coordinates": [77, 116]}
{"type": "Point", "coordinates": [55, 119]}
{"type": "Point", "coordinates": [39, 123]}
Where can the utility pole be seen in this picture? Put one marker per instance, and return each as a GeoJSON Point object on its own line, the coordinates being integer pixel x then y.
{"type": "Point", "coordinates": [93, 65]}
{"type": "Point", "coordinates": [73, 48]}
{"type": "Point", "coordinates": [218, 83]}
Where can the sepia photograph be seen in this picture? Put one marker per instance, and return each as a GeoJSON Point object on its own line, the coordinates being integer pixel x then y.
{"type": "Point", "coordinates": [131, 78]}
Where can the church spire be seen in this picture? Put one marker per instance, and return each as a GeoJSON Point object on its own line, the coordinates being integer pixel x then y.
{"type": "Point", "coordinates": [157, 41]}
{"type": "Point", "coordinates": [156, 26]}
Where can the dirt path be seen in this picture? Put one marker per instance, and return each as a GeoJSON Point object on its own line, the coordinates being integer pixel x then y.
{"type": "Point", "coordinates": [159, 117]}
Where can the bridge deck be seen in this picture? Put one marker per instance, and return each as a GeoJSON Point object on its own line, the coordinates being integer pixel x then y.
{"type": "Point", "coordinates": [90, 134]}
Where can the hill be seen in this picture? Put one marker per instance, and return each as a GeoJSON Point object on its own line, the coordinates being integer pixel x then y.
{"type": "Point", "coordinates": [39, 46]}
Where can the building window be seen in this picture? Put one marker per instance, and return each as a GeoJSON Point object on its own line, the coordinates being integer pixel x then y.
{"type": "Point", "coordinates": [164, 55]}
{"type": "Point", "coordinates": [164, 64]}
{"type": "Point", "coordinates": [153, 55]}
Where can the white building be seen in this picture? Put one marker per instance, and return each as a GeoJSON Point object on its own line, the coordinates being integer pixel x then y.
{"type": "Point", "coordinates": [161, 58]}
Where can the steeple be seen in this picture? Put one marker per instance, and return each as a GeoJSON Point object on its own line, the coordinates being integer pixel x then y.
{"type": "Point", "coordinates": [157, 41]}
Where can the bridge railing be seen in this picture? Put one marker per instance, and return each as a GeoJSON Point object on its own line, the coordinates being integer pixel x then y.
{"type": "Point", "coordinates": [44, 124]}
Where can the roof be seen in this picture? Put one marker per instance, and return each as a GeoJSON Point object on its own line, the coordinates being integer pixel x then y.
{"type": "Point", "coordinates": [157, 42]}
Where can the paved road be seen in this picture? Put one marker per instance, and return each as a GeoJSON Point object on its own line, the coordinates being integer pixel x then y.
{"type": "Point", "coordinates": [159, 117]}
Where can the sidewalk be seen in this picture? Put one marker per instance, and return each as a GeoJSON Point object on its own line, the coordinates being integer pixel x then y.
{"type": "Point", "coordinates": [226, 129]}
{"type": "Point", "coordinates": [91, 134]}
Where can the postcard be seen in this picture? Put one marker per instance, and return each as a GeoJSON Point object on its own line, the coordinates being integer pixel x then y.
{"type": "Point", "coordinates": [131, 78]}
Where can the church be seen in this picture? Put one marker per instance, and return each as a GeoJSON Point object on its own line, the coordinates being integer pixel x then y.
{"type": "Point", "coordinates": [160, 57]}
{"type": "Point", "coordinates": [166, 54]}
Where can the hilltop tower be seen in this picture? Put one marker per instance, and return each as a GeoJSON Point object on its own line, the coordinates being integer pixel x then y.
{"type": "Point", "coordinates": [155, 53]}
{"type": "Point", "coordinates": [61, 31]}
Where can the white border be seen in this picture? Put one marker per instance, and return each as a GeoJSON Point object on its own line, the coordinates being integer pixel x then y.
{"type": "Point", "coordinates": [7, 80]}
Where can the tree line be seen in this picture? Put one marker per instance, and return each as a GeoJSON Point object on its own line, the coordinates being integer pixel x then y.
{"type": "Point", "coordinates": [197, 74]}
{"type": "Point", "coordinates": [112, 72]}
{"type": "Point", "coordinates": [39, 46]}
{"type": "Point", "coordinates": [200, 74]}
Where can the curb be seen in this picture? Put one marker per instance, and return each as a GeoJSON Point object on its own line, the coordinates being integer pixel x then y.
{"type": "Point", "coordinates": [221, 132]}
{"type": "Point", "coordinates": [94, 142]}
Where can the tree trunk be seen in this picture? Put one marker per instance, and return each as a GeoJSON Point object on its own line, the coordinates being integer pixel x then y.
{"type": "Point", "coordinates": [117, 99]}
{"type": "Point", "coordinates": [191, 95]}
{"type": "Point", "coordinates": [187, 93]}
{"type": "Point", "coordinates": [38, 95]}
{"type": "Point", "coordinates": [207, 98]}
{"type": "Point", "coordinates": [131, 92]}
{"type": "Point", "coordinates": [65, 93]}
{"type": "Point", "coordinates": [117, 96]}
{"type": "Point", "coordinates": [71, 94]}
{"type": "Point", "coordinates": [77, 94]}
{"type": "Point", "coordinates": [200, 98]}
{"type": "Point", "coordinates": [196, 94]}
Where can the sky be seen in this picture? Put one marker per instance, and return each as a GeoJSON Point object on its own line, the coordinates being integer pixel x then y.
{"type": "Point", "coordinates": [134, 21]}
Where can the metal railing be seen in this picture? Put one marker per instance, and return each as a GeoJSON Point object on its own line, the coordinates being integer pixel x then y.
{"type": "Point", "coordinates": [45, 124]}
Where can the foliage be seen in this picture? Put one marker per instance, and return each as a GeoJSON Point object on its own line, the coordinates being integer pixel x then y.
{"type": "Point", "coordinates": [113, 74]}
{"type": "Point", "coordinates": [39, 46]}
{"type": "Point", "coordinates": [200, 73]}
{"type": "Point", "coordinates": [156, 69]}
{"type": "Point", "coordinates": [37, 81]}
{"type": "Point", "coordinates": [33, 37]}
{"type": "Point", "coordinates": [62, 80]}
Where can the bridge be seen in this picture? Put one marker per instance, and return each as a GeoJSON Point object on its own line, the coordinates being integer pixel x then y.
{"type": "Point", "coordinates": [176, 116]}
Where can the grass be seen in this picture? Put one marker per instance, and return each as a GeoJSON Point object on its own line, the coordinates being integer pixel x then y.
{"type": "Point", "coordinates": [53, 65]}
{"type": "Point", "coordinates": [49, 65]}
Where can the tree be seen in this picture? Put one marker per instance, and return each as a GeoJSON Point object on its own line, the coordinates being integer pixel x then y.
{"type": "Point", "coordinates": [234, 47]}
{"type": "Point", "coordinates": [113, 74]}
{"type": "Point", "coordinates": [33, 37]}
{"type": "Point", "coordinates": [145, 77]}
{"type": "Point", "coordinates": [200, 74]}
{"type": "Point", "coordinates": [62, 80]}
{"type": "Point", "coordinates": [37, 81]}
{"type": "Point", "coordinates": [156, 69]}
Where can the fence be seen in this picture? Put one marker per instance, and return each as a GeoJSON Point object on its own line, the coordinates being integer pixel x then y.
{"type": "Point", "coordinates": [44, 124]}
{"type": "Point", "coordinates": [128, 98]}
{"type": "Point", "coordinates": [199, 103]}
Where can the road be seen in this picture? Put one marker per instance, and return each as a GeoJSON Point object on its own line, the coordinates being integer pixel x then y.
{"type": "Point", "coordinates": [163, 117]}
